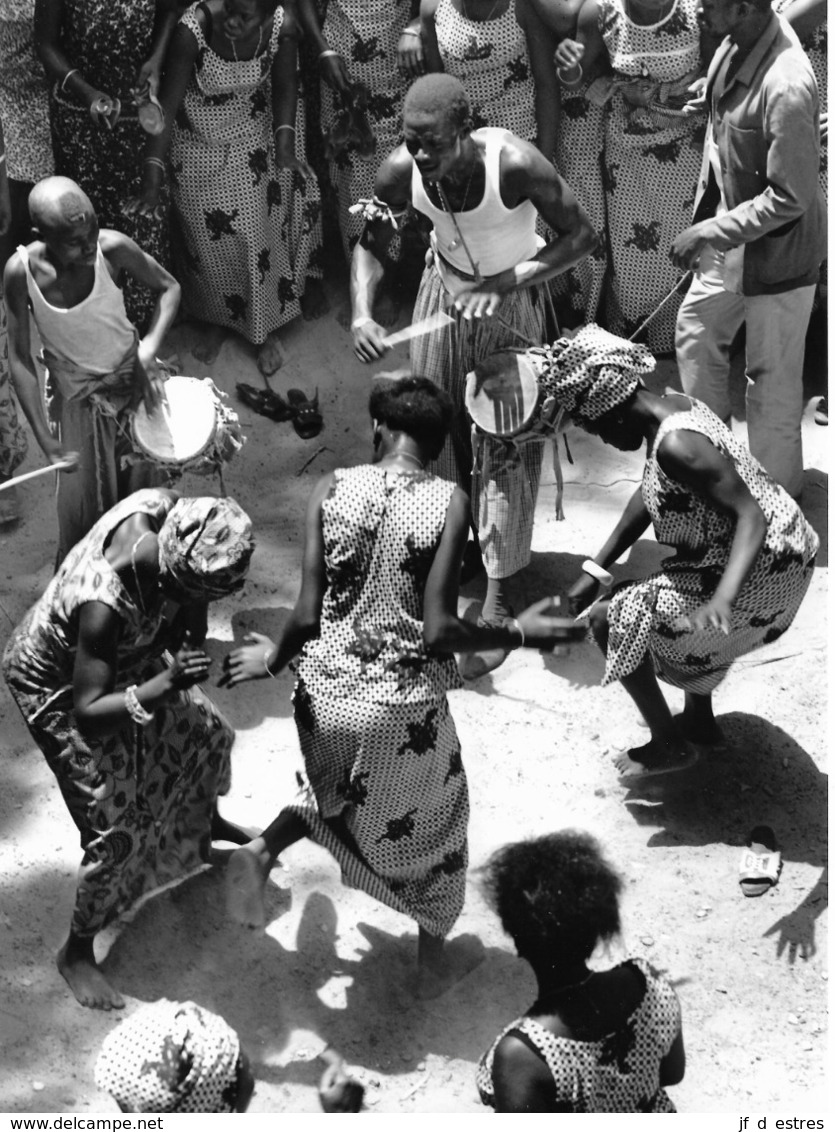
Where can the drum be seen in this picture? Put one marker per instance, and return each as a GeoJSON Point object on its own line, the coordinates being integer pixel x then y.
{"type": "Point", "coordinates": [191, 431]}
{"type": "Point", "coordinates": [504, 400]}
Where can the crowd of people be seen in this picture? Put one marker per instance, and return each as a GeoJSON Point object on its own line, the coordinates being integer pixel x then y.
{"type": "Point", "coordinates": [581, 176]}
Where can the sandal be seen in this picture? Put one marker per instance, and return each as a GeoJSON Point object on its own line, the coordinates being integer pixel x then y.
{"type": "Point", "coordinates": [307, 420]}
{"type": "Point", "coordinates": [150, 113]}
{"type": "Point", "coordinates": [760, 863]}
{"type": "Point", "coordinates": [265, 402]}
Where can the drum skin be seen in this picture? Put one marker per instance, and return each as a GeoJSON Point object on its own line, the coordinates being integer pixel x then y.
{"type": "Point", "coordinates": [191, 431]}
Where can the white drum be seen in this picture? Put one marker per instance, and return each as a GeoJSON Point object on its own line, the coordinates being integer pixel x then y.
{"type": "Point", "coordinates": [192, 430]}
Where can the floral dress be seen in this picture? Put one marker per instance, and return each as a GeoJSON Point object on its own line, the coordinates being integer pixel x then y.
{"type": "Point", "coordinates": [13, 440]}
{"type": "Point", "coordinates": [490, 57]}
{"type": "Point", "coordinates": [142, 798]}
{"type": "Point", "coordinates": [250, 233]}
{"type": "Point", "coordinates": [365, 33]}
{"type": "Point", "coordinates": [644, 615]}
{"type": "Point", "coordinates": [24, 104]}
{"type": "Point", "coordinates": [379, 743]}
{"type": "Point", "coordinates": [618, 1073]}
{"type": "Point", "coordinates": [651, 167]}
{"type": "Point", "coordinates": [108, 41]}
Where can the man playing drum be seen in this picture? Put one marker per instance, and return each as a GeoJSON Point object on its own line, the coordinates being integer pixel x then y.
{"type": "Point", "coordinates": [482, 190]}
{"type": "Point", "coordinates": [99, 368]}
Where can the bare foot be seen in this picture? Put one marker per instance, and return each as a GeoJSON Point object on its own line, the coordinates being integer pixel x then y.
{"type": "Point", "coordinates": [271, 355]}
{"type": "Point", "coordinates": [77, 964]}
{"type": "Point", "coordinates": [209, 341]}
{"type": "Point", "coordinates": [246, 875]}
{"type": "Point", "coordinates": [639, 763]}
{"type": "Point", "coordinates": [459, 957]}
{"type": "Point", "coordinates": [314, 301]}
{"type": "Point", "coordinates": [702, 732]}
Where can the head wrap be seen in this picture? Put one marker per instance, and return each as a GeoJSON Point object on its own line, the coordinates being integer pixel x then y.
{"type": "Point", "coordinates": [171, 1057]}
{"type": "Point", "coordinates": [593, 372]}
{"type": "Point", "coordinates": [205, 546]}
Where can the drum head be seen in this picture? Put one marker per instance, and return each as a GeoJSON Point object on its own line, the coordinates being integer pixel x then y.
{"type": "Point", "coordinates": [501, 393]}
{"type": "Point", "coordinates": [181, 427]}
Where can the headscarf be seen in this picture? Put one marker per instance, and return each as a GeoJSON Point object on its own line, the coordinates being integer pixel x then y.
{"type": "Point", "coordinates": [205, 546]}
{"type": "Point", "coordinates": [171, 1057]}
{"type": "Point", "coordinates": [593, 372]}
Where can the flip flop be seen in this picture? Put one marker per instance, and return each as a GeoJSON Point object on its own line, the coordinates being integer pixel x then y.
{"type": "Point", "coordinates": [760, 863]}
{"type": "Point", "coordinates": [150, 113]}
{"type": "Point", "coordinates": [266, 402]}
{"type": "Point", "coordinates": [690, 759]}
{"type": "Point", "coordinates": [307, 420]}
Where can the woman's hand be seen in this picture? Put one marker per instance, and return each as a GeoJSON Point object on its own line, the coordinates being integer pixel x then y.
{"type": "Point", "coordinates": [582, 593]}
{"type": "Point", "coordinates": [104, 109]}
{"type": "Point", "coordinates": [714, 614]}
{"type": "Point", "coordinates": [569, 54]}
{"type": "Point", "coordinates": [248, 662]}
{"type": "Point", "coordinates": [544, 628]}
{"type": "Point", "coordinates": [149, 202]}
{"type": "Point", "coordinates": [190, 666]}
{"type": "Point", "coordinates": [285, 154]}
{"type": "Point", "coordinates": [411, 58]}
{"type": "Point", "coordinates": [147, 78]}
{"type": "Point", "coordinates": [334, 71]}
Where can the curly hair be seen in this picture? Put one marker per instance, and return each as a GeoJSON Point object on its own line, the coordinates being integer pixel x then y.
{"type": "Point", "coordinates": [414, 405]}
{"type": "Point", "coordinates": [441, 94]}
{"type": "Point", "coordinates": [555, 895]}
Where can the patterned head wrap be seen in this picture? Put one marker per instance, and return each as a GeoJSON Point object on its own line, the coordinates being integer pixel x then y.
{"type": "Point", "coordinates": [205, 546]}
{"type": "Point", "coordinates": [593, 372]}
{"type": "Point", "coordinates": [171, 1057]}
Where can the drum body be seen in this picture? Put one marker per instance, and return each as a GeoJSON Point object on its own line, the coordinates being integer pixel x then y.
{"type": "Point", "coordinates": [192, 430]}
{"type": "Point", "coordinates": [504, 400]}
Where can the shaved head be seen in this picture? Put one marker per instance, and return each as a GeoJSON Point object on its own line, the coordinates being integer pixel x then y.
{"type": "Point", "coordinates": [57, 203]}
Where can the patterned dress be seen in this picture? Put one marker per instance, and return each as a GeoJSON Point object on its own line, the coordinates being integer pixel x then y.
{"type": "Point", "coordinates": [108, 41]}
{"type": "Point", "coordinates": [13, 439]}
{"type": "Point", "coordinates": [618, 1073]}
{"type": "Point", "coordinates": [24, 104]}
{"type": "Point", "coordinates": [490, 57]}
{"type": "Point", "coordinates": [142, 798]}
{"type": "Point", "coordinates": [379, 744]}
{"type": "Point", "coordinates": [643, 615]}
{"type": "Point", "coordinates": [250, 233]}
{"type": "Point", "coordinates": [652, 165]}
{"type": "Point", "coordinates": [365, 33]}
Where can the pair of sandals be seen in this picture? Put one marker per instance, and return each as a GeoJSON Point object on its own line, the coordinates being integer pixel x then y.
{"type": "Point", "coordinates": [351, 130]}
{"type": "Point", "coordinates": [149, 111]}
{"type": "Point", "coordinates": [298, 408]}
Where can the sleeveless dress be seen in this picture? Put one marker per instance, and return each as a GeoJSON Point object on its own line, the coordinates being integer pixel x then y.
{"type": "Point", "coordinates": [142, 798]}
{"type": "Point", "coordinates": [108, 41]}
{"type": "Point", "coordinates": [248, 235]}
{"type": "Point", "coordinates": [379, 744]}
{"type": "Point", "coordinates": [618, 1073]}
{"type": "Point", "coordinates": [652, 165]}
{"type": "Point", "coordinates": [14, 443]}
{"type": "Point", "coordinates": [365, 33]}
{"type": "Point", "coordinates": [24, 99]}
{"type": "Point", "coordinates": [643, 615]}
{"type": "Point", "coordinates": [490, 57]}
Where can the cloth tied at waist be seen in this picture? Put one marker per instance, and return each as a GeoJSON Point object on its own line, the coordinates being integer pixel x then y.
{"type": "Point", "coordinates": [640, 92]}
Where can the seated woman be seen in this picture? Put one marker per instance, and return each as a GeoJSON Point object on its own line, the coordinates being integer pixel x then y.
{"type": "Point", "coordinates": [246, 211]}
{"type": "Point", "coordinates": [376, 622]}
{"type": "Point", "coordinates": [744, 551]}
{"type": "Point", "coordinates": [593, 1041]}
{"type": "Point", "coordinates": [140, 753]}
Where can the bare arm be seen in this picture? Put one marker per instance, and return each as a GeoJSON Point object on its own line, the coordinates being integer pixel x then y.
{"type": "Point", "coordinates": [332, 66]}
{"type": "Point", "coordinates": [429, 36]}
{"type": "Point", "coordinates": [691, 459]}
{"type": "Point", "coordinates": [522, 1082]}
{"type": "Point", "coordinates": [631, 525]}
{"type": "Point", "coordinates": [585, 57]}
{"type": "Point", "coordinates": [5, 202]}
{"type": "Point", "coordinates": [165, 20]}
{"type": "Point", "coordinates": [542, 43]}
{"type": "Point", "coordinates": [285, 93]}
{"type": "Point", "coordinates": [59, 67]}
{"type": "Point", "coordinates": [805, 16]}
{"type": "Point", "coordinates": [673, 1064]}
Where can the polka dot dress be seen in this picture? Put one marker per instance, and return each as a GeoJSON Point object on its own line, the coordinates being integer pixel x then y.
{"type": "Point", "coordinates": [490, 57]}
{"type": "Point", "coordinates": [643, 616]}
{"type": "Point", "coordinates": [249, 233]}
{"type": "Point", "coordinates": [378, 740]}
{"type": "Point", "coordinates": [618, 1073]}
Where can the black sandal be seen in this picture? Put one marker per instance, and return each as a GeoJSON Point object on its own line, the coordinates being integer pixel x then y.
{"type": "Point", "coordinates": [265, 402]}
{"type": "Point", "coordinates": [307, 420]}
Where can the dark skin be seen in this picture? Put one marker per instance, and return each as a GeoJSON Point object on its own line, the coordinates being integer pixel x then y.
{"type": "Point", "coordinates": [691, 459]}
{"type": "Point", "coordinates": [452, 156]}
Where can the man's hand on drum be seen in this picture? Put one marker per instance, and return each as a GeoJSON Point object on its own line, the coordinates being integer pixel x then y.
{"type": "Point", "coordinates": [544, 627]}
{"type": "Point", "coordinates": [473, 302]}
{"type": "Point", "coordinates": [368, 341]}
{"type": "Point", "coordinates": [248, 661]}
{"type": "Point", "coordinates": [190, 666]}
{"type": "Point", "coordinates": [582, 594]}
{"type": "Point", "coordinates": [150, 386]}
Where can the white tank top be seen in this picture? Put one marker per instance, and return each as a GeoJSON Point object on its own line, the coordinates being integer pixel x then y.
{"type": "Point", "coordinates": [95, 334]}
{"type": "Point", "coordinates": [498, 237]}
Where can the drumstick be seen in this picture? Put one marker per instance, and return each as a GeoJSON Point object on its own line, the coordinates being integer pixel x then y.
{"type": "Point", "coordinates": [425, 326]}
{"type": "Point", "coordinates": [38, 472]}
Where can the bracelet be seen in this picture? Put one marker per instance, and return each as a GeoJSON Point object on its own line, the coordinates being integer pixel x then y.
{"type": "Point", "coordinates": [2, 158]}
{"type": "Point", "coordinates": [74, 71]}
{"type": "Point", "coordinates": [293, 128]}
{"type": "Point", "coordinates": [359, 322]}
{"type": "Point", "coordinates": [135, 709]}
{"type": "Point", "coordinates": [514, 624]}
{"type": "Point", "coordinates": [270, 673]}
{"type": "Point", "coordinates": [327, 53]}
{"type": "Point", "coordinates": [410, 31]}
{"type": "Point", "coordinates": [563, 71]}
{"type": "Point", "coordinates": [597, 572]}
{"type": "Point", "coordinates": [155, 161]}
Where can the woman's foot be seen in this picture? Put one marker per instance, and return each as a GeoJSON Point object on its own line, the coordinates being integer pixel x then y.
{"type": "Point", "coordinates": [210, 338]}
{"type": "Point", "coordinates": [654, 758]}
{"type": "Point", "coordinates": [223, 830]}
{"type": "Point", "coordinates": [436, 974]}
{"type": "Point", "coordinates": [314, 301]}
{"type": "Point", "coordinates": [77, 964]}
{"type": "Point", "coordinates": [246, 876]}
{"type": "Point", "coordinates": [271, 355]}
{"type": "Point", "coordinates": [697, 723]}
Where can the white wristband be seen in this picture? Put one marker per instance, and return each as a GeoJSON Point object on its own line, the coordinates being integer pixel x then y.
{"type": "Point", "coordinates": [597, 572]}
{"type": "Point", "coordinates": [360, 322]}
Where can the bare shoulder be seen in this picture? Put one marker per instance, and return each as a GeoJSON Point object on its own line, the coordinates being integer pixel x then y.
{"type": "Point", "coordinates": [428, 8]}
{"type": "Point", "coordinates": [113, 243]}
{"type": "Point", "coordinates": [14, 274]}
{"type": "Point", "coordinates": [394, 177]}
{"type": "Point", "coordinates": [522, 164]}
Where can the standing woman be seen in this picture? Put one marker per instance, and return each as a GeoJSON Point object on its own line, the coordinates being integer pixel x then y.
{"type": "Point", "coordinates": [652, 150]}
{"type": "Point", "coordinates": [98, 54]}
{"type": "Point", "coordinates": [246, 209]}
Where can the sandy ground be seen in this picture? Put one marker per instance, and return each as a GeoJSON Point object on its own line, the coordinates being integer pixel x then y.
{"type": "Point", "coordinates": [333, 966]}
